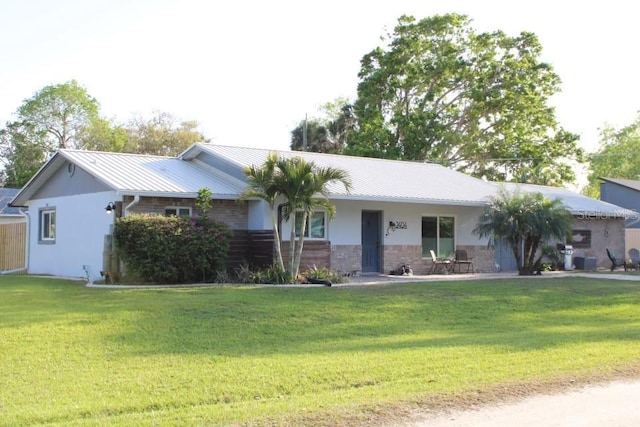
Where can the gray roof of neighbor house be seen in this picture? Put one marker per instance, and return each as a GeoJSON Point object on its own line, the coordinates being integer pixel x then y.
{"type": "Point", "coordinates": [137, 174]}
{"type": "Point", "coordinates": [578, 204]}
{"type": "Point", "coordinates": [6, 194]}
{"type": "Point", "coordinates": [372, 179]}
{"type": "Point", "coordinates": [630, 183]}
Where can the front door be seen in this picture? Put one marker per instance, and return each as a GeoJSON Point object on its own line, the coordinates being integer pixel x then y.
{"type": "Point", "coordinates": [371, 247]}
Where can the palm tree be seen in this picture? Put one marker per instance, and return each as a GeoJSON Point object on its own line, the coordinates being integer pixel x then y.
{"type": "Point", "coordinates": [304, 186]}
{"type": "Point", "coordinates": [524, 220]}
{"type": "Point", "coordinates": [262, 185]}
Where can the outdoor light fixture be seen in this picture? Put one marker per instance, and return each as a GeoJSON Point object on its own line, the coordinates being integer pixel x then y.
{"type": "Point", "coordinates": [110, 208]}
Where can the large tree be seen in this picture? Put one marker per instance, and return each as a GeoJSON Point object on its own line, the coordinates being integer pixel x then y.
{"type": "Point", "coordinates": [440, 91]}
{"type": "Point", "coordinates": [21, 155]}
{"type": "Point", "coordinates": [328, 134]}
{"type": "Point", "coordinates": [54, 117]}
{"type": "Point", "coordinates": [58, 114]}
{"type": "Point", "coordinates": [66, 116]}
{"type": "Point", "coordinates": [617, 156]}
{"type": "Point", "coordinates": [525, 221]}
{"type": "Point", "coordinates": [162, 134]}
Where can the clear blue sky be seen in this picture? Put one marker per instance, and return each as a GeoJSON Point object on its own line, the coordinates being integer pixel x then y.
{"type": "Point", "coordinates": [248, 71]}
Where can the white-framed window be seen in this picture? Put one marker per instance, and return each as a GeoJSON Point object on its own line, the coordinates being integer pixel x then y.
{"type": "Point", "coordinates": [47, 225]}
{"type": "Point", "coordinates": [316, 225]}
{"type": "Point", "coordinates": [177, 211]}
{"type": "Point", "coordinates": [438, 234]}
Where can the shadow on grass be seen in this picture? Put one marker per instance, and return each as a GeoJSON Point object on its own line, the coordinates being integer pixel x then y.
{"type": "Point", "coordinates": [516, 315]}
{"type": "Point", "coordinates": [519, 315]}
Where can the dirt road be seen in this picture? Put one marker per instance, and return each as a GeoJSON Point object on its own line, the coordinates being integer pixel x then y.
{"type": "Point", "coordinates": [616, 404]}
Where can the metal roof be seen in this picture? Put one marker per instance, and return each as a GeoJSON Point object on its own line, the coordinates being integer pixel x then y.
{"type": "Point", "coordinates": [137, 174]}
{"type": "Point", "coordinates": [578, 204]}
{"type": "Point", "coordinates": [6, 194]}
{"type": "Point", "coordinates": [374, 179]}
{"type": "Point", "coordinates": [630, 183]}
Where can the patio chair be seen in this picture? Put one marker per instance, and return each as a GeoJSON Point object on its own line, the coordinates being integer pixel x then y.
{"type": "Point", "coordinates": [616, 262]}
{"type": "Point", "coordinates": [634, 257]}
{"type": "Point", "coordinates": [462, 259]}
{"type": "Point", "coordinates": [439, 263]}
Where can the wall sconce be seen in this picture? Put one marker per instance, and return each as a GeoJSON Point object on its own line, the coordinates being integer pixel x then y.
{"type": "Point", "coordinates": [111, 207]}
{"type": "Point", "coordinates": [391, 228]}
{"type": "Point", "coordinates": [606, 232]}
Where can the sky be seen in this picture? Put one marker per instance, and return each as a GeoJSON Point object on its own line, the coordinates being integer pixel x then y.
{"type": "Point", "coordinates": [249, 71]}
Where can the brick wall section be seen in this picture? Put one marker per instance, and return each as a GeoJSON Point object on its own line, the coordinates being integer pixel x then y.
{"type": "Point", "coordinates": [605, 233]}
{"type": "Point", "coordinates": [346, 258]}
{"type": "Point", "coordinates": [230, 212]}
{"type": "Point", "coordinates": [314, 252]}
{"type": "Point", "coordinates": [483, 257]}
{"type": "Point", "coordinates": [395, 255]}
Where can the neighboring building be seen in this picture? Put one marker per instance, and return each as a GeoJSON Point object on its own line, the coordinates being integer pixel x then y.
{"type": "Point", "coordinates": [13, 234]}
{"type": "Point", "coordinates": [8, 214]}
{"type": "Point", "coordinates": [396, 212]}
{"type": "Point", "coordinates": [624, 193]}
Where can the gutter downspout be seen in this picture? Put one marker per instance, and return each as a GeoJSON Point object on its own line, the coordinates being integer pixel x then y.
{"type": "Point", "coordinates": [136, 200]}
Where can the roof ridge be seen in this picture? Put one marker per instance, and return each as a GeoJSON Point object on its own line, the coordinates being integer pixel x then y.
{"type": "Point", "coordinates": [116, 153]}
{"type": "Point", "coordinates": [313, 153]}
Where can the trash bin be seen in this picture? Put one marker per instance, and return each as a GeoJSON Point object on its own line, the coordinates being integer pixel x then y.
{"type": "Point", "coordinates": [567, 251]}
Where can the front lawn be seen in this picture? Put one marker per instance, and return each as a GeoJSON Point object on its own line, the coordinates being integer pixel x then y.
{"type": "Point", "coordinates": [71, 355]}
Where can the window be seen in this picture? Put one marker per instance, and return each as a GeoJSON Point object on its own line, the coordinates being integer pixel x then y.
{"type": "Point", "coordinates": [47, 229]}
{"type": "Point", "coordinates": [438, 234]}
{"type": "Point", "coordinates": [315, 228]}
{"type": "Point", "coordinates": [177, 211]}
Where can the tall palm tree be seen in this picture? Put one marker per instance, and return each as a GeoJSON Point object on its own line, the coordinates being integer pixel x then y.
{"type": "Point", "coordinates": [524, 220]}
{"type": "Point", "coordinates": [262, 185]}
{"type": "Point", "coordinates": [304, 186]}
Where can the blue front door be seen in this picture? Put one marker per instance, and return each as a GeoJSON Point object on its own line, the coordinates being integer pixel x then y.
{"type": "Point", "coordinates": [371, 242]}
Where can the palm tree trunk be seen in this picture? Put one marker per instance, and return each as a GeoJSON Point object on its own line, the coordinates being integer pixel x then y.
{"type": "Point", "coordinates": [276, 237]}
{"type": "Point", "coordinates": [292, 247]}
{"type": "Point", "coordinates": [300, 243]}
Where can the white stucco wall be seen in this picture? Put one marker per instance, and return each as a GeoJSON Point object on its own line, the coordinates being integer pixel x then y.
{"type": "Point", "coordinates": [81, 225]}
{"type": "Point", "coordinates": [259, 215]}
{"type": "Point", "coordinates": [345, 229]}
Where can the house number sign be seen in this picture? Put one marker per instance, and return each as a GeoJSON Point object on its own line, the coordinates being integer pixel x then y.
{"type": "Point", "coordinates": [400, 225]}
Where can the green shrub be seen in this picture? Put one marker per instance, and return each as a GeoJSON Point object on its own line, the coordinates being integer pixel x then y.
{"type": "Point", "coordinates": [324, 274]}
{"type": "Point", "coordinates": [172, 249]}
{"type": "Point", "coordinates": [273, 275]}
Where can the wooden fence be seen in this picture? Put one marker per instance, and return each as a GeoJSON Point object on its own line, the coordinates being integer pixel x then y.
{"type": "Point", "coordinates": [13, 246]}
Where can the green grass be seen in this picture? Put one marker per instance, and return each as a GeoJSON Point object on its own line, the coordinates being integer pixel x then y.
{"type": "Point", "coordinates": [71, 355]}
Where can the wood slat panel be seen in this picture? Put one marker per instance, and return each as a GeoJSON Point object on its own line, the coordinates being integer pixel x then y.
{"type": "Point", "coordinates": [13, 241]}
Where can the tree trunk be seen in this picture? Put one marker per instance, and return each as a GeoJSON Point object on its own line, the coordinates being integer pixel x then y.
{"type": "Point", "coordinates": [292, 246]}
{"type": "Point", "coordinates": [300, 243]}
{"type": "Point", "coordinates": [276, 235]}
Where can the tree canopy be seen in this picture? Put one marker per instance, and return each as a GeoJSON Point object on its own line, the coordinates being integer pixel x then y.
{"type": "Point", "coordinates": [328, 134]}
{"type": "Point", "coordinates": [66, 116]}
{"type": "Point", "coordinates": [439, 91]}
{"type": "Point", "coordinates": [617, 156]}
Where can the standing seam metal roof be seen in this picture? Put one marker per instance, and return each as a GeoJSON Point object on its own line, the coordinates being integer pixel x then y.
{"type": "Point", "coordinates": [378, 179]}
{"type": "Point", "coordinates": [151, 174]}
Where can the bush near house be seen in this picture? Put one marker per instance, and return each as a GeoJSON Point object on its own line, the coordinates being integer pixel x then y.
{"type": "Point", "coordinates": [172, 249]}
